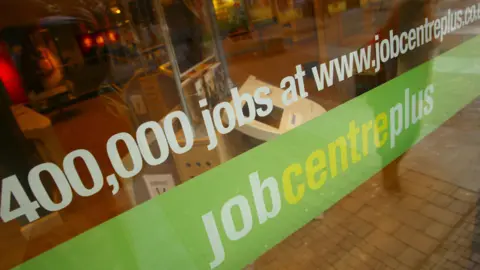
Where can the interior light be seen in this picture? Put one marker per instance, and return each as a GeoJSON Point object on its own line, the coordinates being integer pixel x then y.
{"type": "Point", "coordinates": [100, 40]}
{"type": "Point", "coordinates": [115, 10]}
{"type": "Point", "coordinates": [87, 42]}
{"type": "Point", "coordinates": [111, 36]}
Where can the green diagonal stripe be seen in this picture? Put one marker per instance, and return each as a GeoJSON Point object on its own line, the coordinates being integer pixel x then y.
{"type": "Point", "coordinates": [168, 233]}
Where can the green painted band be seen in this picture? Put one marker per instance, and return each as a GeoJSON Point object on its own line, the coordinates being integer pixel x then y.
{"type": "Point", "coordinates": [303, 173]}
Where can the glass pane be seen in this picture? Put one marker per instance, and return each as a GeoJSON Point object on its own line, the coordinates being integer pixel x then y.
{"type": "Point", "coordinates": [239, 134]}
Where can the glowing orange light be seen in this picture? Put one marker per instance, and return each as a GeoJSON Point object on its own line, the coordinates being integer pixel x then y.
{"type": "Point", "coordinates": [87, 42]}
{"type": "Point", "coordinates": [112, 36]}
{"type": "Point", "coordinates": [100, 40]}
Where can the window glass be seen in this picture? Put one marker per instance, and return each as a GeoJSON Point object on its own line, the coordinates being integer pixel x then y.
{"type": "Point", "coordinates": [239, 134]}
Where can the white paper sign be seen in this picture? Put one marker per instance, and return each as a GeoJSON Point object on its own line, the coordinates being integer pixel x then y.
{"type": "Point", "coordinates": [209, 82]}
{"type": "Point", "coordinates": [199, 87]}
{"type": "Point", "coordinates": [158, 183]}
{"type": "Point", "coordinates": [138, 104]}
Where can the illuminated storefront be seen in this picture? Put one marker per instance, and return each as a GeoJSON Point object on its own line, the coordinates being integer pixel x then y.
{"type": "Point", "coordinates": [192, 134]}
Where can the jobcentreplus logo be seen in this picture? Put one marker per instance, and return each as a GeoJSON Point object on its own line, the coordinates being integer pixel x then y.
{"type": "Point", "coordinates": [321, 165]}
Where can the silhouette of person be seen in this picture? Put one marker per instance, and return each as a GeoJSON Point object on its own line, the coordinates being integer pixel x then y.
{"type": "Point", "coordinates": [185, 33]}
{"type": "Point", "coordinates": [405, 15]}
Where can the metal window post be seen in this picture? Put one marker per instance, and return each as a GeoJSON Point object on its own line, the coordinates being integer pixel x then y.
{"type": "Point", "coordinates": [217, 41]}
{"type": "Point", "coordinates": [173, 59]}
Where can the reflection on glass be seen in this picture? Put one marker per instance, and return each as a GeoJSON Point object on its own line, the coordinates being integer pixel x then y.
{"type": "Point", "coordinates": [76, 73]}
